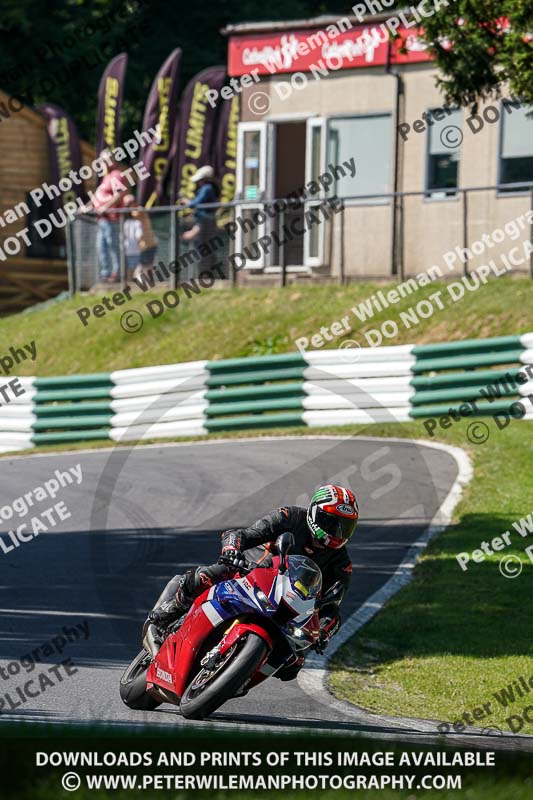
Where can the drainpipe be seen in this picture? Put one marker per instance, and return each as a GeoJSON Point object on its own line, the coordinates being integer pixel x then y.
{"type": "Point", "coordinates": [396, 250]}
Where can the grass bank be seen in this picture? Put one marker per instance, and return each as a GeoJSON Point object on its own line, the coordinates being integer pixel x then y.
{"type": "Point", "coordinates": [242, 322]}
{"type": "Point", "coordinates": [451, 641]}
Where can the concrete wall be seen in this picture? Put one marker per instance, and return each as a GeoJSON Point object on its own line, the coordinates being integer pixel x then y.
{"type": "Point", "coordinates": [431, 226]}
{"type": "Point", "coordinates": [434, 226]}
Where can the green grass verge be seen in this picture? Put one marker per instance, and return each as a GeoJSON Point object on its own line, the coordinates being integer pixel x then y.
{"type": "Point", "coordinates": [451, 639]}
{"type": "Point", "coordinates": [242, 322]}
{"type": "Point", "coordinates": [480, 789]}
{"type": "Point", "coordinates": [22, 780]}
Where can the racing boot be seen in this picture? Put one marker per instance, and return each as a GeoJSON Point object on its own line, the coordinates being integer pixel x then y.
{"type": "Point", "coordinates": [165, 613]}
{"type": "Point", "coordinates": [152, 639]}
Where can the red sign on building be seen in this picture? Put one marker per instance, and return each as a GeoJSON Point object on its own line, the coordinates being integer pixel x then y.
{"type": "Point", "coordinates": [301, 50]}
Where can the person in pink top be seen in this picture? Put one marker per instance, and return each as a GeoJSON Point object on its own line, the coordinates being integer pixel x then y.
{"type": "Point", "coordinates": [109, 195]}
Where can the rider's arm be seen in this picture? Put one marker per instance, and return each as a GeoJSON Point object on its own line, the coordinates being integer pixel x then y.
{"type": "Point", "coordinates": [266, 529]}
{"type": "Point", "coordinates": [340, 570]}
{"type": "Point", "coordinates": [329, 615]}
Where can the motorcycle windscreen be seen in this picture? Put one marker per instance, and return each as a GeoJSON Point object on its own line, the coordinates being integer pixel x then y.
{"type": "Point", "coordinates": [306, 577]}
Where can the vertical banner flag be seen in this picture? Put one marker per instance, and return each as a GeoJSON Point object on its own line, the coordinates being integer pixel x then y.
{"type": "Point", "coordinates": [224, 156]}
{"type": "Point", "coordinates": [65, 153]}
{"type": "Point", "coordinates": [196, 129]}
{"type": "Point", "coordinates": [161, 108]}
{"type": "Point", "coordinates": [110, 94]}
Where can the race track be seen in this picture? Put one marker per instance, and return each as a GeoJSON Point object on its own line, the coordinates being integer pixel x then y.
{"type": "Point", "coordinates": [141, 515]}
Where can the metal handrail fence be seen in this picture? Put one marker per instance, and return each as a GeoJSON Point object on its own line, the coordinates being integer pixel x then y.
{"type": "Point", "coordinates": [214, 246]}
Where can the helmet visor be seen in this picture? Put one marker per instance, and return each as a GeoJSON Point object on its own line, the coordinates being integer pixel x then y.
{"type": "Point", "coordinates": [337, 528]}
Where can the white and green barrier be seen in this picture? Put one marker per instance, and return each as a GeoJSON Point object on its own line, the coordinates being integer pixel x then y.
{"type": "Point", "coordinates": [318, 388]}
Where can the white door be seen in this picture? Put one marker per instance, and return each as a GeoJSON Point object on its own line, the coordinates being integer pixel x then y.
{"type": "Point", "coordinates": [251, 190]}
{"type": "Point", "coordinates": [315, 165]}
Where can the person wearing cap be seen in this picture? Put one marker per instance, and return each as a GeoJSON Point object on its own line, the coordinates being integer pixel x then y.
{"type": "Point", "coordinates": [207, 191]}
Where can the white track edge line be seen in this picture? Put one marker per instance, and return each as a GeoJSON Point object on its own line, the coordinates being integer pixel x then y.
{"type": "Point", "coordinates": [211, 441]}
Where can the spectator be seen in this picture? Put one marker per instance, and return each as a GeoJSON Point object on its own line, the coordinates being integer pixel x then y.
{"type": "Point", "coordinates": [207, 192]}
{"type": "Point", "coordinates": [133, 233]}
{"type": "Point", "coordinates": [109, 195]}
{"type": "Point", "coordinates": [147, 242]}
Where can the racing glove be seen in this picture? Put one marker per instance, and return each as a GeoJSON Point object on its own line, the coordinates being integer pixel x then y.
{"type": "Point", "coordinates": [232, 557]}
{"type": "Point", "coordinates": [329, 625]}
{"type": "Point", "coordinates": [231, 550]}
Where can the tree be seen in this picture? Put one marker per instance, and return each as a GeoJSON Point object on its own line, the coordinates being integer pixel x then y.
{"type": "Point", "coordinates": [483, 48]}
{"type": "Point", "coordinates": [57, 51]}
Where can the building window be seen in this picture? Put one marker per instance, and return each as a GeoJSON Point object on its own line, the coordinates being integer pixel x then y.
{"type": "Point", "coordinates": [516, 145]}
{"type": "Point", "coordinates": [368, 141]}
{"type": "Point", "coordinates": [444, 138]}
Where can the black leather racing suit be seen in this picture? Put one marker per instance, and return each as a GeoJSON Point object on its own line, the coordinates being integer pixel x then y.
{"type": "Point", "coordinates": [257, 543]}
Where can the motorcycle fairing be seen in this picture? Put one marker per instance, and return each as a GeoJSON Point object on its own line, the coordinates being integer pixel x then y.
{"type": "Point", "coordinates": [240, 629]}
{"type": "Point", "coordinates": [226, 601]}
{"type": "Point", "coordinates": [179, 650]}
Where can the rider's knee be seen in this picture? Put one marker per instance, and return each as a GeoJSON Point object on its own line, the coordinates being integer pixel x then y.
{"type": "Point", "coordinates": [202, 579]}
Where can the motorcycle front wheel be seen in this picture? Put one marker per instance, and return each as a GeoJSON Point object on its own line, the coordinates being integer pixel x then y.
{"type": "Point", "coordinates": [133, 684]}
{"type": "Point", "coordinates": [211, 688]}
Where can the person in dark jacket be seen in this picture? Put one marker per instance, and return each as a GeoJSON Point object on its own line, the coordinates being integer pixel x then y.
{"type": "Point", "coordinates": [320, 532]}
{"type": "Point", "coordinates": [207, 191]}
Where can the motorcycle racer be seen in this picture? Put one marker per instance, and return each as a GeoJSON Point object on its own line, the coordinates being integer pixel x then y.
{"type": "Point", "coordinates": [320, 532]}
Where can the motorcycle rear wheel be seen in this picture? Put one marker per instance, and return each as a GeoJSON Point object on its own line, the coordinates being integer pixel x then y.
{"type": "Point", "coordinates": [204, 695]}
{"type": "Point", "coordinates": [133, 684]}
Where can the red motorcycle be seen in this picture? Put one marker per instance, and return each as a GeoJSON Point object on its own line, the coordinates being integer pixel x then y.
{"type": "Point", "coordinates": [236, 634]}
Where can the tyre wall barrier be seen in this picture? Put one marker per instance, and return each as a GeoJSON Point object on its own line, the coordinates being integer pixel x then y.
{"type": "Point", "coordinates": [474, 377]}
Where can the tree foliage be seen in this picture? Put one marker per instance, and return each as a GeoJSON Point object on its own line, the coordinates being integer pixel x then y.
{"type": "Point", "coordinates": [56, 51]}
{"type": "Point", "coordinates": [483, 48]}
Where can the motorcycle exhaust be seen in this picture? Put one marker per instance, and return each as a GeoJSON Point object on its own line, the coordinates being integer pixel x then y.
{"type": "Point", "coordinates": [150, 642]}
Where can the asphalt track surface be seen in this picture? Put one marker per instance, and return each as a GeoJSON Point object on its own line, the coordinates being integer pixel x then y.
{"type": "Point", "coordinates": [144, 514]}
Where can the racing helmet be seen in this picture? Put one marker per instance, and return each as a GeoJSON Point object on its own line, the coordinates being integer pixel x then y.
{"type": "Point", "coordinates": [332, 515]}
